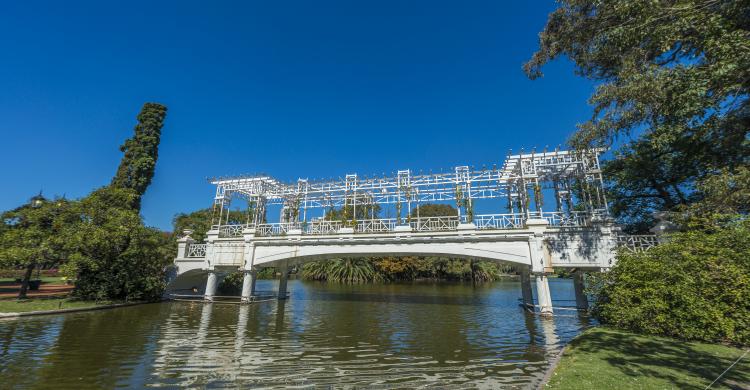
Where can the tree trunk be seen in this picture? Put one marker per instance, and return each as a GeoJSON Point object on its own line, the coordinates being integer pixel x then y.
{"type": "Point", "coordinates": [25, 281]}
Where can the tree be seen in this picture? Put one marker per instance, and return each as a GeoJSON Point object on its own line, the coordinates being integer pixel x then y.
{"type": "Point", "coordinates": [434, 210]}
{"type": "Point", "coordinates": [674, 75]}
{"type": "Point", "coordinates": [346, 213]}
{"type": "Point", "coordinates": [199, 222]}
{"type": "Point", "coordinates": [112, 254]}
{"type": "Point", "coordinates": [723, 195]}
{"type": "Point", "coordinates": [140, 152]}
{"type": "Point", "coordinates": [349, 270]}
{"type": "Point", "coordinates": [31, 236]}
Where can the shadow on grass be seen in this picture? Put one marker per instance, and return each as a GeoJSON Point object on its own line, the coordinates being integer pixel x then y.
{"type": "Point", "coordinates": [668, 359]}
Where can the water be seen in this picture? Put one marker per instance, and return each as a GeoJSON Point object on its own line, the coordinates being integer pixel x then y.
{"type": "Point", "coordinates": [381, 336]}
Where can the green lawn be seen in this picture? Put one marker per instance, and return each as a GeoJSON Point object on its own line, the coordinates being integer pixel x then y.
{"type": "Point", "coordinates": [603, 358]}
{"type": "Point", "coordinates": [15, 306]}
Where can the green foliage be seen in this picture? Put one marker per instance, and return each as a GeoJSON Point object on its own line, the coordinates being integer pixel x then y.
{"type": "Point", "coordinates": [231, 284]}
{"type": "Point", "coordinates": [138, 163]}
{"type": "Point", "coordinates": [266, 273]}
{"type": "Point", "coordinates": [400, 268]}
{"type": "Point", "coordinates": [434, 210]}
{"type": "Point", "coordinates": [674, 74]}
{"type": "Point", "coordinates": [30, 236]}
{"type": "Point", "coordinates": [723, 196]}
{"type": "Point", "coordinates": [315, 270]}
{"type": "Point", "coordinates": [694, 287]}
{"type": "Point", "coordinates": [200, 222]}
{"type": "Point", "coordinates": [406, 268]}
{"type": "Point", "coordinates": [352, 270]}
{"type": "Point", "coordinates": [112, 255]}
{"type": "Point", "coordinates": [100, 239]}
{"type": "Point", "coordinates": [346, 213]}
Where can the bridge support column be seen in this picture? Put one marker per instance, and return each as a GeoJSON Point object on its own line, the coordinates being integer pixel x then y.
{"type": "Point", "coordinates": [543, 295]}
{"type": "Point", "coordinates": [582, 302]}
{"type": "Point", "coordinates": [282, 281]}
{"type": "Point", "coordinates": [526, 295]}
{"type": "Point", "coordinates": [211, 284]}
{"type": "Point", "coordinates": [248, 286]}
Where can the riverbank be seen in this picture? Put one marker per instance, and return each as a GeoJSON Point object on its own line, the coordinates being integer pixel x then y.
{"type": "Point", "coordinates": [604, 358]}
{"type": "Point", "coordinates": [45, 304]}
{"type": "Point", "coordinates": [31, 307]}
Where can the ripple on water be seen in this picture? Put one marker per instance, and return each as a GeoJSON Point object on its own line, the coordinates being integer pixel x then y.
{"type": "Point", "coordinates": [421, 335]}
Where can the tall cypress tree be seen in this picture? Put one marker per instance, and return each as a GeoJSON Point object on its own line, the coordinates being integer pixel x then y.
{"type": "Point", "coordinates": [141, 151]}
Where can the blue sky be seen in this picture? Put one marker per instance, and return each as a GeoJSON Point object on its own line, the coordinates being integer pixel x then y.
{"type": "Point", "coordinates": [291, 88]}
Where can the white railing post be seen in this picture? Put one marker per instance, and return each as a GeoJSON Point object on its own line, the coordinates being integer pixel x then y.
{"type": "Point", "coordinates": [211, 237]}
{"type": "Point", "coordinates": [539, 261]}
{"type": "Point", "coordinates": [183, 243]}
{"type": "Point", "coordinates": [211, 284]}
{"type": "Point", "coordinates": [543, 295]}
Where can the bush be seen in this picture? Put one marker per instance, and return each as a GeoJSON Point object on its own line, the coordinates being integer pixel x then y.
{"type": "Point", "coordinates": [695, 287]}
{"type": "Point", "coordinates": [406, 268]}
{"type": "Point", "coordinates": [112, 255]}
{"type": "Point", "coordinates": [231, 284]}
{"type": "Point", "coordinates": [266, 273]}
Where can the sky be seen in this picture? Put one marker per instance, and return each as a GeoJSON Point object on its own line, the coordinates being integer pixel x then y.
{"type": "Point", "coordinates": [294, 89]}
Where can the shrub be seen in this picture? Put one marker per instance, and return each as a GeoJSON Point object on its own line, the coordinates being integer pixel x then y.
{"type": "Point", "coordinates": [267, 273]}
{"type": "Point", "coordinates": [695, 287]}
{"type": "Point", "coordinates": [356, 270]}
{"type": "Point", "coordinates": [231, 284]}
{"type": "Point", "coordinates": [112, 255]}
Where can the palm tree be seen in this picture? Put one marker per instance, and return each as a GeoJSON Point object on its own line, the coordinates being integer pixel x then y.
{"type": "Point", "coordinates": [354, 270]}
{"type": "Point", "coordinates": [315, 270]}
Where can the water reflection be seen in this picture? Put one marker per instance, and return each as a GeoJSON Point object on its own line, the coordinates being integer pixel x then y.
{"type": "Point", "coordinates": [386, 335]}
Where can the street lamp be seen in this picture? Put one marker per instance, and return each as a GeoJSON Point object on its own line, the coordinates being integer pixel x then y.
{"type": "Point", "coordinates": [37, 201]}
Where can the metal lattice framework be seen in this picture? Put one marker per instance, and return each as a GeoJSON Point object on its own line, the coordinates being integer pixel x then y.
{"type": "Point", "coordinates": [574, 177]}
{"type": "Point", "coordinates": [196, 250]}
{"type": "Point", "coordinates": [637, 242]}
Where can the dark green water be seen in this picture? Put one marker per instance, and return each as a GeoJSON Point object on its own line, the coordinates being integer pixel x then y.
{"type": "Point", "coordinates": [382, 336]}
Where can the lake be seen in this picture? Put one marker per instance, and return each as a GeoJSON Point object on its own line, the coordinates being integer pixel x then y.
{"type": "Point", "coordinates": [325, 335]}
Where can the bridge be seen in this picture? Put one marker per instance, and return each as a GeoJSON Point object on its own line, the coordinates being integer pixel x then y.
{"type": "Point", "coordinates": [340, 218]}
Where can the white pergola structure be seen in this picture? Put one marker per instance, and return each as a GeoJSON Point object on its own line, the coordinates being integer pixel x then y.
{"type": "Point", "coordinates": [573, 178]}
{"type": "Point", "coordinates": [573, 232]}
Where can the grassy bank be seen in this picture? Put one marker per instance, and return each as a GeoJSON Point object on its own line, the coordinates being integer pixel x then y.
{"type": "Point", "coordinates": [603, 358]}
{"type": "Point", "coordinates": [15, 306]}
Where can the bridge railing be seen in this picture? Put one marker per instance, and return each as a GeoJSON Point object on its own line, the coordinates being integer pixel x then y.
{"type": "Point", "coordinates": [229, 231]}
{"type": "Point", "coordinates": [499, 221]}
{"type": "Point", "coordinates": [637, 242]}
{"type": "Point", "coordinates": [423, 224]}
{"type": "Point", "coordinates": [322, 227]}
{"type": "Point", "coordinates": [196, 250]}
{"type": "Point", "coordinates": [276, 229]}
{"type": "Point", "coordinates": [561, 219]}
{"type": "Point", "coordinates": [383, 225]}
{"type": "Point", "coordinates": [432, 224]}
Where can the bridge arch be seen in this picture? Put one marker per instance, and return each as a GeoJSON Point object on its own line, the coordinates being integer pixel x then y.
{"type": "Point", "coordinates": [512, 252]}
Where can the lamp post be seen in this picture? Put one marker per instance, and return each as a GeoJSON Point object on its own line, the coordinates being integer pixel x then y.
{"type": "Point", "coordinates": [35, 202]}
